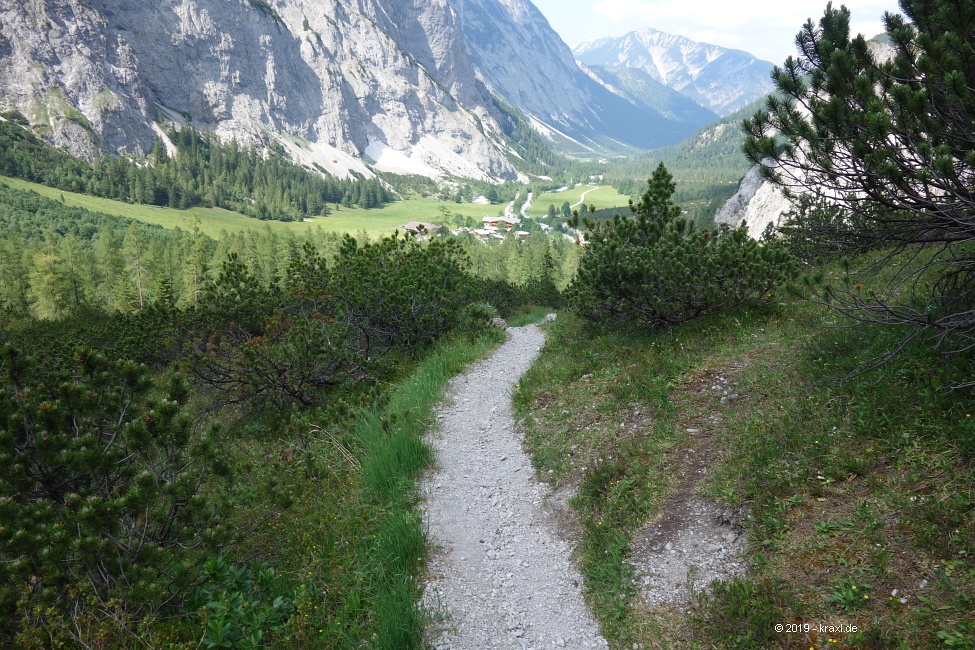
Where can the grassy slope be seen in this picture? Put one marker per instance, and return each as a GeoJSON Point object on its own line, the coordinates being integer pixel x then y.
{"type": "Point", "coordinates": [866, 484]}
{"type": "Point", "coordinates": [214, 221]}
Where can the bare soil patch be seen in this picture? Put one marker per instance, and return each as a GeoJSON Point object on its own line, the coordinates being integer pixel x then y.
{"type": "Point", "coordinates": [693, 541]}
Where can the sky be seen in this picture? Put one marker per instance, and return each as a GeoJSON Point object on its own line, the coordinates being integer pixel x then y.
{"type": "Point", "coordinates": [764, 28]}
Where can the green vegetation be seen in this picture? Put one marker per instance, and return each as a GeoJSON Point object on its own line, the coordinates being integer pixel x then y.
{"type": "Point", "coordinates": [265, 8]}
{"type": "Point", "coordinates": [217, 222]}
{"type": "Point", "coordinates": [132, 517]}
{"type": "Point", "coordinates": [888, 145]}
{"type": "Point", "coordinates": [215, 441]}
{"type": "Point", "coordinates": [853, 477]}
{"type": "Point", "coordinates": [204, 172]}
{"type": "Point", "coordinates": [534, 153]}
{"type": "Point", "coordinates": [656, 269]}
{"type": "Point", "coordinates": [867, 482]}
{"type": "Point", "coordinates": [707, 167]}
{"type": "Point", "coordinates": [117, 482]}
{"type": "Point", "coordinates": [57, 260]}
{"type": "Point", "coordinates": [601, 196]}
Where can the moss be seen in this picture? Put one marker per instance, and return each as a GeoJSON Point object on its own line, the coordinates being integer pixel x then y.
{"type": "Point", "coordinates": [105, 100]}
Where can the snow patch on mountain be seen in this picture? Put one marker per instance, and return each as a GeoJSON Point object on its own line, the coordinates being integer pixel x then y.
{"type": "Point", "coordinates": [718, 78]}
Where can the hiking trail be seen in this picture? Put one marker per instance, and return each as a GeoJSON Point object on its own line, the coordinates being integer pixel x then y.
{"type": "Point", "coordinates": [500, 575]}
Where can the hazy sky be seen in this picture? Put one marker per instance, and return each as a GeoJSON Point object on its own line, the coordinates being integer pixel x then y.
{"type": "Point", "coordinates": [765, 28]}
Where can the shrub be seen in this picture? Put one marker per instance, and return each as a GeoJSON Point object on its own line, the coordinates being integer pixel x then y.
{"type": "Point", "coordinates": [256, 349]}
{"type": "Point", "coordinates": [508, 298]}
{"type": "Point", "coordinates": [658, 270]}
{"type": "Point", "coordinates": [885, 134]}
{"type": "Point", "coordinates": [241, 606]}
{"type": "Point", "coordinates": [16, 117]}
{"type": "Point", "coordinates": [100, 489]}
{"type": "Point", "coordinates": [331, 323]}
{"type": "Point", "coordinates": [397, 293]}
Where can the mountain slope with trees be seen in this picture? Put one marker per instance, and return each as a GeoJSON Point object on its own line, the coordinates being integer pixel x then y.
{"type": "Point", "coordinates": [202, 171]}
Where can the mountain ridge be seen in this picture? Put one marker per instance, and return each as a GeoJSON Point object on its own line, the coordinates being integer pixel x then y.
{"type": "Point", "coordinates": [718, 78]}
{"type": "Point", "coordinates": [347, 86]}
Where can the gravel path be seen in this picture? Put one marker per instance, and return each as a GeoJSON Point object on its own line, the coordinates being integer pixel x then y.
{"type": "Point", "coordinates": [500, 575]}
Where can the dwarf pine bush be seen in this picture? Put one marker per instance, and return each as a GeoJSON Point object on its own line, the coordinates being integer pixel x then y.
{"type": "Point", "coordinates": [100, 490]}
{"type": "Point", "coordinates": [655, 268]}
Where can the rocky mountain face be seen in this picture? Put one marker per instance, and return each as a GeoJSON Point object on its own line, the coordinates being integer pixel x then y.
{"type": "Point", "coordinates": [520, 57]}
{"type": "Point", "coordinates": [408, 86]}
{"type": "Point", "coordinates": [757, 203]}
{"type": "Point", "coordinates": [720, 79]}
{"type": "Point", "coordinates": [337, 82]}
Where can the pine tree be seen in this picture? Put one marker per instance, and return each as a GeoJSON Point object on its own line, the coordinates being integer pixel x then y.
{"type": "Point", "coordinates": [110, 266]}
{"type": "Point", "coordinates": [656, 269]}
{"type": "Point", "coordinates": [134, 250]}
{"type": "Point", "coordinates": [14, 275]}
{"type": "Point", "coordinates": [888, 142]}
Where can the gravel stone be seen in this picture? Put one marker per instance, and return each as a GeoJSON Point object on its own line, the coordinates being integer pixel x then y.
{"type": "Point", "coordinates": [522, 591]}
{"type": "Point", "coordinates": [685, 550]}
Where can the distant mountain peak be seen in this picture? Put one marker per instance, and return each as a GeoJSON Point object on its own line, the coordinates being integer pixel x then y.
{"type": "Point", "coordinates": [521, 58]}
{"type": "Point", "coordinates": [718, 78]}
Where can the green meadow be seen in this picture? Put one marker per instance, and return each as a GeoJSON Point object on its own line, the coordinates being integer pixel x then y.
{"type": "Point", "coordinates": [602, 197]}
{"type": "Point", "coordinates": [215, 221]}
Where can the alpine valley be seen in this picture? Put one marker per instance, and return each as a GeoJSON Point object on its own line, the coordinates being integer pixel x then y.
{"type": "Point", "coordinates": [442, 88]}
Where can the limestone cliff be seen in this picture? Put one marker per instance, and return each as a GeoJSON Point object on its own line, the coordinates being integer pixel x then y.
{"type": "Point", "coordinates": [337, 82]}
{"type": "Point", "coordinates": [758, 203]}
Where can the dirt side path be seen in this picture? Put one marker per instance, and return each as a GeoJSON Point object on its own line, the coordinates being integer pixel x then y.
{"type": "Point", "coordinates": [500, 575]}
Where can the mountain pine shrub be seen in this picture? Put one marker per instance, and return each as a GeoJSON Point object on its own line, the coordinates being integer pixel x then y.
{"type": "Point", "coordinates": [396, 293]}
{"type": "Point", "coordinates": [655, 268]}
{"type": "Point", "coordinates": [884, 134]}
{"type": "Point", "coordinates": [101, 493]}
